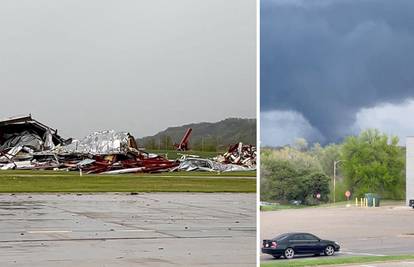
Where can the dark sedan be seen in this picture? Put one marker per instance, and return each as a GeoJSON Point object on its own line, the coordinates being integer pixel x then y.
{"type": "Point", "coordinates": [291, 244]}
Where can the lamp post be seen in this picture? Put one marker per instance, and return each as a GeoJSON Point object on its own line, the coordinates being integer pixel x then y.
{"type": "Point", "coordinates": [334, 177]}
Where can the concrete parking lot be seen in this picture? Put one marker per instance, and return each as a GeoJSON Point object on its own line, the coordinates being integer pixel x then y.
{"type": "Point", "coordinates": [151, 229]}
{"type": "Point", "coordinates": [387, 230]}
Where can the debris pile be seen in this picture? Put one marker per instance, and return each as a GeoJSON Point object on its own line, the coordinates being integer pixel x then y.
{"type": "Point", "coordinates": [22, 137]}
{"type": "Point", "coordinates": [101, 143]}
{"type": "Point", "coordinates": [193, 163]}
{"type": "Point", "coordinates": [111, 152]}
{"type": "Point", "coordinates": [28, 144]}
{"type": "Point", "coordinates": [239, 157]}
{"type": "Point", "coordinates": [239, 154]}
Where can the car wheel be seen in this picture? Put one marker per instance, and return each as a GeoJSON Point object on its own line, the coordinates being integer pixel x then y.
{"type": "Point", "coordinates": [329, 251]}
{"type": "Point", "coordinates": [289, 253]}
{"type": "Point", "coordinates": [276, 256]}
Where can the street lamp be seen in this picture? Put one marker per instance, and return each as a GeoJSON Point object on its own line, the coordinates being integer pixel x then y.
{"type": "Point", "coordinates": [334, 178]}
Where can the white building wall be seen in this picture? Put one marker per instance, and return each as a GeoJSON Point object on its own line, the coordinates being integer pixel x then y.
{"type": "Point", "coordinates": [410, 168]}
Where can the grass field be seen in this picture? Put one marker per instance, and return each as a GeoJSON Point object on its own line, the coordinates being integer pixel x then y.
{"type": "Point", "coordinates": [335, 261]}
{"type": "Point", "coordinates": [281, 207]}
{"type": "Point", "coordinates": [55, 181]}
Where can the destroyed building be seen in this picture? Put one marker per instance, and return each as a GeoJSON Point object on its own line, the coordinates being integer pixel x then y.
{"type": "Point", "coordinates": [26, 143]}
{"type": "Point", "coordinates": [22, 136]}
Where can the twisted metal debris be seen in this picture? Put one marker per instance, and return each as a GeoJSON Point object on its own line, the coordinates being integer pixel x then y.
{"type": "Point", "coordinates": [28, 144]}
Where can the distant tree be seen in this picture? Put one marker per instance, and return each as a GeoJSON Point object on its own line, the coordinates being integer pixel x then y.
{"type": "Point", "coordinates": [373, 162]}
{"type": "Point", "coordinates": [196, 144]}
{"type": "Point", "coordinates": [209, 144]}
{"type": "Point", "coordinates": [150, 144]}
{"type": "Point", "coordinates": [300, 159]}
{"type": "Point", "coordinates": [166, 142]}
{"type": "Point", "coordinates": [326, 156]}
{"type": "Point", "coordinates": [205, 143]}
{"type": "Point", "coordinates": [301, 144]}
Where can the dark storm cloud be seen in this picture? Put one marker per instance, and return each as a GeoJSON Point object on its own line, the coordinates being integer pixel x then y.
{"type": "Point", "coordinates": [329, 59]}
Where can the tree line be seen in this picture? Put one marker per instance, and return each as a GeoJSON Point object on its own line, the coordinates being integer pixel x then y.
{"type": "Point", "coordinates": [371, 162]}
{"type": "Point", "coordinates": [165, 142]}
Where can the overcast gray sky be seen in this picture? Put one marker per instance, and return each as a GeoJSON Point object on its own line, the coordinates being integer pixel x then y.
{"type": "Point", "coordinates": [137, 66]}
{"type": "Point", "coordinates": [331, 68]}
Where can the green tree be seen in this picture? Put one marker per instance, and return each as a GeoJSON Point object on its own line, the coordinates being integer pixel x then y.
{"type": "Point", "coordinates": [289, 174]}
{"type": "Point", "coordinates": [326, 156]}
{"type": "Point", "coordinates": [300, 144]}
{"type": "Point", "coordinates": [316, 183]}
{"type": "Point", "coordinates": [373, 162]}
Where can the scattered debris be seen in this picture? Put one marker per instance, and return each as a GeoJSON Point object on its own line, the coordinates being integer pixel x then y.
{"type": "Point", "coordinates": [200, 164]}
{"type": "Point", "coordinates": [28, 144]}
{"type": "Point", "coordinates": [239, 154]}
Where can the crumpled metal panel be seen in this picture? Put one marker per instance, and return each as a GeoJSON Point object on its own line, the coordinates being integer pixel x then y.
{"type": "Point", "coordinates": [18, 165]}
{"type": "Point", "coordinates": [48, 140]}
{"type": "Point", "coordinates": [7, 157]}
{"type": "Point", "coordinates": [23, 139]}
{"type": "Point", "coordinates": [200, 164]}
{"type": "Point", "coordinates": [85, 162]}
{"type": "Point", "coordinates": [99, 143]}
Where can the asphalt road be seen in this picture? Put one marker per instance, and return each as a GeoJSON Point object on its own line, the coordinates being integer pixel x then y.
{"type": "Point", "coordinates": [154, 229]}
{"type": "Point", "coordinates": [360, 231]}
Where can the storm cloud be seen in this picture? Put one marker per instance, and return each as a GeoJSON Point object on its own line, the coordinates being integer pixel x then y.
{"type": "Point", "coordinates": [328, 60]}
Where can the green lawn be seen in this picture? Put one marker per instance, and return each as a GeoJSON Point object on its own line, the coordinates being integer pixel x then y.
{"type": "Point", "coordinates": [56, 181]}
{"type": "Point", "coordinates": [281, 207]}
{"type": "Point", "coordinates": [334, 261]}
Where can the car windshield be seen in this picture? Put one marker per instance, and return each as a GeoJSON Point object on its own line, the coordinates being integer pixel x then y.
{"type": "Point", "coordinates": [281, 237]}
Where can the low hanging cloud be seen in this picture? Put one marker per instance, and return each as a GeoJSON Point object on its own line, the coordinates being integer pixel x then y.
{"type": "Point", "coordinates": [391, 119]}
{"type": "Point", "coordinates": [279, 128]}
{"type": "Point", "coordinates": [328, 60]}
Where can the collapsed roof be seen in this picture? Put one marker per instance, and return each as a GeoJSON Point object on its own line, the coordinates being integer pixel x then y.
{"type": "Point", "coordinates": [28, 133]}
{"type": "Point", "coordinates": [102, 143]}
